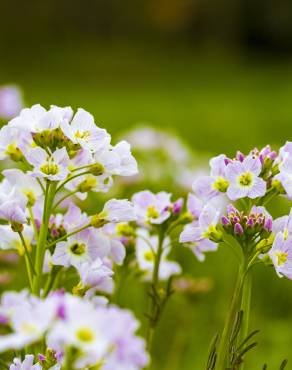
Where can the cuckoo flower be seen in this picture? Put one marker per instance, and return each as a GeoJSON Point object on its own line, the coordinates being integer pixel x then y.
{"type": "Point", "coordinates": [244, 179]}
{"type": "Point", "coordinates": [285, 175]}
{"type": "Point", "coordinates": [10, 101]}
{"type": "Point", "coordinates": [281, 255]}
{"type": "Point", "coordinates": [207, 187]}
{"type": "Point", "coordinates": [152, 208]}
{"type": "Point", "coordinates": [83, 131]}
{"type": "Point", "coordinates": [26, 364]}
{"type": "Point", "coordinates": [53, 167]}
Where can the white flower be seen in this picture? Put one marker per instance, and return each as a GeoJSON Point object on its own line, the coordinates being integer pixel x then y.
{"type": "Point", "coordinates": [118, 210]}
{"type": "Point", "coordinates": [26, 364]}
{"type": "Point", "coordinates": [83, 131]}
{"type": "Point", "coordinates": [11, 240]}
{"type": "Point", "coordinates": [53, 166]}
{"type": "Point", "coordinates": [12, 204]}
{"type": "Point", "coordinates": [24, 183]}
{"type": "Point", "coordinates": [82, 247]}
{"type": "Point", "coordinates": [14, 142]}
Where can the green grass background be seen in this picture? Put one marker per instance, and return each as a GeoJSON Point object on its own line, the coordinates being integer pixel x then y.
{"type": "Point", "coordinates": [217, 103]}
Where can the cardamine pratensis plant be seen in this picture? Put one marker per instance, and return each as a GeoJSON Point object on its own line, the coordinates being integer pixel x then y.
{"type": "Point", "coordinates": [56, 155]}
{"type": "Point", "coordinates": [249, 182]}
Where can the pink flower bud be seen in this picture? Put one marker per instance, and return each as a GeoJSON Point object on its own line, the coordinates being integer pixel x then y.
{"type": "Point", "coordinates": [238, 229]}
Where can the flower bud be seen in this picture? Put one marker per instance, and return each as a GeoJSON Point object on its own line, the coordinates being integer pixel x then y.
{"type": "Point", "coordinates": [97, 169]}
{"type": "Point", "coordinates": [98, 221]}
{"type": "Point", "coordinates": [16, 227]}
{"type": "Point", "coordinates": [225, 221]}
{"type": "Point", "coordinates": [238, 229]}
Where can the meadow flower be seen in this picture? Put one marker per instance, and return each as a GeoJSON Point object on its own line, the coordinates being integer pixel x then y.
{"type": "Point", "coordinates": [24, 183]}
{"type": "Point", "coordinates": [208, 187]}
{"type": "Point", "coordinates": [95, 277]}
{"type": "Point", "coordinates": [79, 248]}
{"type": "Point", "coordinates": [26, 364]}
{"type": "Point", "coordinates": [204, 228]}
{"type": "Point", "coordinates": [14, 143]}
{"type": "Point", "coordinates": [12, 204]}
{"type": "Point", "coordinates": [11, 240]}
{"type": "Point", "coordinates": [83, 131]}
{"type": "Point", "coordinates": [146, 256]}
{"type": "Point", "coordinates": [53, 167]}
{"type": "Point", "coordinates": [285, 175]}
{"type": "Point", "coordinates": [10, 101]}
{"type": "Point", "coordinates": [244, 179]}
{"type": "Point", "coordinates": [118, 210]}
{"type": "Point", "coordinates": [281, 255]}
{"type": "Point", "coordinates": [152, 208]}
{"type": "Point", "coordinates": [117, 249]}
{"type": "Point", "coordinates": [284, 225]}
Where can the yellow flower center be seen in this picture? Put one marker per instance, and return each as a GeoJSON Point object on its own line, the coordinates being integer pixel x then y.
{"type": "Point", "coordinates": [50, 167]}
{"type": "Point", "coordinates": [152, 212]}
{"type": "Point", "coordinates": [82, 135]}
{"type": "Point", "coordinates": [282, 257]}
{"type": "Point", "coordinates": [85, 335]}
{"type": "Point", "coordinates": [78, 248]}
{"type": "Point", "coordinates": [245, 179]}
{"type": "Point", "coordinates": [149, 256]}
{"type": "Point", "coordinates": [221, 184]}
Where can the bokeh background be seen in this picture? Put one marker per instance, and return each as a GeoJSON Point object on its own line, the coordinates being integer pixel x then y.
{"type": "Point", "coordinates": [218, 74]}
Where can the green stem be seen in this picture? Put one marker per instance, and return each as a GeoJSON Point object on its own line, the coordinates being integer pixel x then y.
{"type": "Point", "coordinates": [31, 270]}
{"type": "Point", "coordinates": [35, 229]}
{"type": "Point", "coordinates": [245, 307]}
{"type": "Point", "coordinates": [67, 235]}
{"type": "Point", "coordinates": [223, 347]}
{"type": "Point", "coordinates": [153, 318]}
{"type": "Point", "coordinates": [69, 179]}
{"type": "Point", "coordinates": [51, 279]}
{"type": "Point", "coordinates": [42, 239]}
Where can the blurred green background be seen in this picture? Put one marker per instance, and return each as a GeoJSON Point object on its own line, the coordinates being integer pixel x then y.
{"type": "Point", "coordinates": [218, 73]}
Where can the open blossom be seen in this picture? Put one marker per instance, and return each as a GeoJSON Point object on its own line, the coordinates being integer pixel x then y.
{"type": "Point", "coordinates": [12, 204]}
{"type": "Point", "coordinates": [96, 277]}
{"type": "Point", "coordinates": [146, 256]}
{"type": "Point", "coordinates": [217, 183]}
{"type": "Point", "coordinates": [14, 142]}
{"type": "Point", "coordinates": [204, 228]}
{"type": "Point", "coordinates": [37, 118]}
{"type": "Point", "coordinates": [284, 225]}
{"type": "Point", "coordinates": [26, 364]}
{"type": "Point", "coordinates": [285, 175]}
{"type": "Point", "coordinates": [84, 246]}
{"type": "Point", "coordinates": [244, 179]}
{"type": "Point", "coordinates": [281, 255]}
{"type": "Point", "coordinates": [118, 210]}
{"type": "Point", "coordinates": [11, 240]}
{"type": "Point", "coordinates": [83, 131]}
{"type": "Point", "coordinates": [53, 166]}
{"type": "Point", "coordinates": [152, 208]}
{"type": "Point", "coordinates": [24, 183]}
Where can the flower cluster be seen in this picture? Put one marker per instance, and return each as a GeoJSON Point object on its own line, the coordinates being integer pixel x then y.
{"type": "Point", "coordinates": [77, 333]}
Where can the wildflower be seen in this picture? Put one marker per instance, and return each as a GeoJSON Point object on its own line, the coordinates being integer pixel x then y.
{"type": "Point", "coordinates": [95, 277]}
{"type": "Point", "coordinates": [281, 255]}
{"type": "Point", "coordinates": [11, 240]}
{"type": "Point", "coordinates": [53, 167]}
{"type": "Point", "coordinates": [285, 175]}
{"type": "Point", "coordinates": [204, 228]}
{"type": "Point", "coordinates": [152, 208]}
{"type": "Point", "coordinates": [116, 211]}
{"type": "Point", "coordinates": [84, 132]}
{"type": "Point", "coordinates": [208, 187]}
{"type": "Point", "coordinates": [244, 179]}
{"type": "Point", "coordinates": [14, 143]}
{"type": "Point", "coordinates": [12, 204]}
{"type": "Point", "coordinates": [26, 364]}
{"type": "Point", "coordinates": [146, 256]}
{"type": "Point", "coordinates": [24, 183]}
{"type": "Point", "coordinates": [79, 248]}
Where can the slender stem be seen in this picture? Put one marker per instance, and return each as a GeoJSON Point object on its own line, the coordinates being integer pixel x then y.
{"type": "Point", "coordinates": [35, 229]}
{"type": "Point", "coordinates": [67, 235]}
{"type": "Point", "coordinates": [40, 249]}
{"type": "Point", "coordinates": [69, 179]}
{"type": "Point", "coordinates": [234, 308]}
{"type": "Point", "coordinates": [64, 197]}
{"type": "Point", "coordinates": [51, 279]}
{"type": "Point", "coordinates": [31, 270]}
{"type": "Point", "coordinates": [146, 241]}
{"type": "Point", "coordinates": [155, 280]}
{"type": "Point", "coordinates": [245, 307]}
